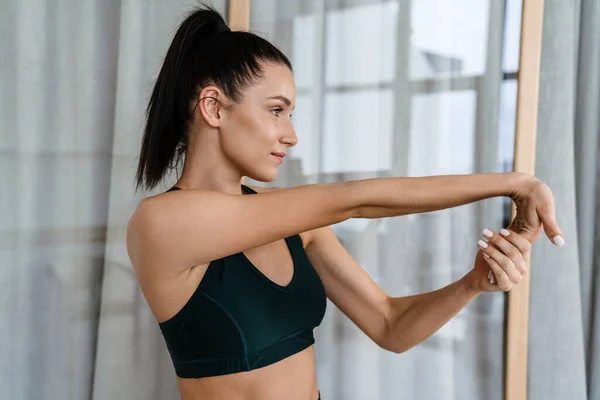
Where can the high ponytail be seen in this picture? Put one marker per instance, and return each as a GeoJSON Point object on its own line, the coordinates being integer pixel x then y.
{"type": "Point", "coordinates": [203, 52]}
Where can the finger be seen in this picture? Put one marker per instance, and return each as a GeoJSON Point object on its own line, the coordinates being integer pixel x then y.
{"type": "Point", "coordinates": [503, 281]}
{"type": "Point", "coordinates": [490, 274]}
{"type": "Point", "coordinates": [512, 263]}
{"type": "Point", "coordinates": [506, 263]}
{"type": "Point", "coordinates": [547, 216]}
{"type": "Point", "coordinates": [514, 246]}
{"type": "Point", "coordinates": [552, 230]}
{"type": "Point", "coordinates": [517, 240]}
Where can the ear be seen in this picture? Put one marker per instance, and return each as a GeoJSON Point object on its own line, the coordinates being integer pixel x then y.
{"type": "Point", "coordinates": [211, 105]}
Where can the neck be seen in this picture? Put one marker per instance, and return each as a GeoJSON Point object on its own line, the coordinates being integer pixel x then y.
{"type": "Point", "coordinates": [209, 170]}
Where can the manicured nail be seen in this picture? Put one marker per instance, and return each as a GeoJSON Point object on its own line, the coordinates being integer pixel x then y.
{"type": "Point", "coordinates": [482, 244]}
{"type": "Point", "coordinates": [485, 255]}
{"type": "Point", "coordinates": [488, 233]}
{"type": "Point", "coordinates": [504, 232]}
{"type": "Point", "coordinates": [559, 241]}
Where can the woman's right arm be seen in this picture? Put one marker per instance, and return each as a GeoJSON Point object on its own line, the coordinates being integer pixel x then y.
{"type": "Point", "coordinates": [192, 227]}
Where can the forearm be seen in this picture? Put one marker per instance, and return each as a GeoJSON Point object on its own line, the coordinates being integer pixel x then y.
{"type": "Point", "coordinates": [388, 197]}
{"type": "Point", "coordinates": [413, 319]}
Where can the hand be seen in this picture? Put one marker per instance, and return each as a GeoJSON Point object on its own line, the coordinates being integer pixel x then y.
{"type": "Point", "coordinates": [508, 256]}
{"type": "Point", "coordinates": [535, 209]}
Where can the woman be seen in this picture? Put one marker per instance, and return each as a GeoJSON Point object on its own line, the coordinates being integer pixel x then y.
{"type": "Point", "coordinates": [238, 280]}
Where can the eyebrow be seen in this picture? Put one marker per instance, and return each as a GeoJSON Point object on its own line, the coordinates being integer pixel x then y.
{"type": "Point", "coordinates": [282, 98]}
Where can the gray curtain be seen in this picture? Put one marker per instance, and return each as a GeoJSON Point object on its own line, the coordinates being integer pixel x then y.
{"type": "Point", "coordinates": [564, 358]}
{"type": "Point", "coordinates": [587, 183]}
{"type": "Point", "coordinates": [57, 88]}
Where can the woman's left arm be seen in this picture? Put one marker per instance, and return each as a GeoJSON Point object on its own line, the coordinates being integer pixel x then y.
{"type": "Point", "coordinates": [393, 323]}
{"type": "Point", "coordinates": [399, 323]}
{"type": "Point", "coordinates": [415, 318]}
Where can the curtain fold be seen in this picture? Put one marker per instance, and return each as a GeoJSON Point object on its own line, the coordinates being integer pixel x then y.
{"type": "Point", "coordinates": [58, 71]}
{"type": "Point", "coordinates": [563, 291]}
{"type": "Point", "coordinates": [587, 131]}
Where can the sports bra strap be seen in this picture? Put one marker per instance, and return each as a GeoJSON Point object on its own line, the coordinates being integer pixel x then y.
{"type": "Point", "coordinates": [248, 190]}
{"type": "Point", "coordinates": [245, 189]}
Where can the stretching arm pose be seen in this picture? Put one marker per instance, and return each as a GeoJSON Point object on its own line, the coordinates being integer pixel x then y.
{"type": "Point", "coordinates": [173, 226]}
{"type": "Point", "coordinates": [226, 224]}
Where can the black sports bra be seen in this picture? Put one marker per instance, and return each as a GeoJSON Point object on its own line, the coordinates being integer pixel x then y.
{"type": "Point", "coordinates": [239, 320]}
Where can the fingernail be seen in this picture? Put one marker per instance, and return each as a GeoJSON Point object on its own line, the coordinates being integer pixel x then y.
{"type": "Point", "coordinates": [482, 244]}
{"type": "Point", "coordinates": [488, 233]}
{"type": "Point", "coordinates": [559, 241]}
{"type": "Point", "coordinates": [485, 255]}
{"type": "Point", "coordinates": [504, 232]}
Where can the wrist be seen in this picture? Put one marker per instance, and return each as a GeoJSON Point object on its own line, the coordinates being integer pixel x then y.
{"type": "Point", "coordinates": [470, 284]}
{"type": "Point", "coordinates": [518, 182]}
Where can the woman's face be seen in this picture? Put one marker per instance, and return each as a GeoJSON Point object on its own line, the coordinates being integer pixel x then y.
{"type": "Point", "coordinates": [257, 132]}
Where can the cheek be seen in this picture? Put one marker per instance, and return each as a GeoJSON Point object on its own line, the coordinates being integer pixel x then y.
{"type": "Point", "coordinates": [259, 131]}
{"type": "Point", "coordinates": [248, 143]}
{"type": "Point", "coordinates": [248, 121]}
{"type": "Point", "coordinates": [250, 136]}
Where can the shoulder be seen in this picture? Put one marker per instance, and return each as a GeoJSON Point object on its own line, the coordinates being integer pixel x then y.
{"type": "Point", "coordinates": [307, 236]}
{"type": "Point", "coordinates": [151, 225]}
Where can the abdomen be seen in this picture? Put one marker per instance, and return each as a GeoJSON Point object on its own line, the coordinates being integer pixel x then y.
{"type": "Point", "coordinates": [292, 378]}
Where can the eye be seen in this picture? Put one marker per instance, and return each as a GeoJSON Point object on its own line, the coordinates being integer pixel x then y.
{"type": "Point", "coordinates": [276, 111]}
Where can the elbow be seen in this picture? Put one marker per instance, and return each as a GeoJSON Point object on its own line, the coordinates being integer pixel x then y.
{"type": "Point", "coordinates": [391, 341]}
{"type": "Point", "coordinates": [398, 346]}
{"type": "Point", "coordinates": [394, 347]}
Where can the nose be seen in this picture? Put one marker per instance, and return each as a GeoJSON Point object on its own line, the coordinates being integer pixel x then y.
{"type": "Point", "coordinates": [289, 138]}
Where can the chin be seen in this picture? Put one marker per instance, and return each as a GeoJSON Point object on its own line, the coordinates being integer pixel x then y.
{"type": "Point", "coordinates": [263, 176]}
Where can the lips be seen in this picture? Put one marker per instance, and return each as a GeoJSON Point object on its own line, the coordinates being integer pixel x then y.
{"type": "Point", "coordinates": [278, 156]}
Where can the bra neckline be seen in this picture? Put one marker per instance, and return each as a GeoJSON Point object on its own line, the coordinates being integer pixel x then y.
{"type": "Point", "coordinates": [287, 288]}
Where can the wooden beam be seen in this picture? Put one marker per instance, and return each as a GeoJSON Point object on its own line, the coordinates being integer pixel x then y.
{"type": "Point", "coordinates": [524, 161]}
{"type": "Point", "coordinates": [239, 20]}
{"type": "Point", "coordinates": [239, 15]}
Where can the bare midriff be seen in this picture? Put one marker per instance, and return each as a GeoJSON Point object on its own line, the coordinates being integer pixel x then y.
{"type": "Point", "coordinates": [293, 378]}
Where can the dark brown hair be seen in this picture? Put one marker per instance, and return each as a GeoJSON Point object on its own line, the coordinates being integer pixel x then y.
{"type": "Point", "coordinates": [204, 51]}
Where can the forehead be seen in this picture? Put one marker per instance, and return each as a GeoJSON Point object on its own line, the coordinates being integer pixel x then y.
{"type": "Point", "coordinates": [276, 80]}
